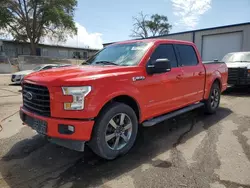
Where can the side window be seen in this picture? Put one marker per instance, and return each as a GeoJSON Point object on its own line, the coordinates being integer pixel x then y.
{"type": "Point", "coordinates": [164, 51]}
{"type": "Point", "coordinates": [187, 55]}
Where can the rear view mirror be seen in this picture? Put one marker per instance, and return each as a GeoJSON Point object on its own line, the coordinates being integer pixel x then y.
{"type": "Point", "coordinates": [159, 66]}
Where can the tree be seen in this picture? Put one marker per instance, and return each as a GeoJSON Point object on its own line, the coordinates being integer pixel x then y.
{"type": "Point", "coordinates": [156, 25]}
{"type": "Point", "coordinates": [32, 20]}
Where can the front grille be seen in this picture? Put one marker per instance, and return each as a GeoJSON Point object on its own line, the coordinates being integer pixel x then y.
{"type": "Point", "coordinates": [36, 99]}
{"type": "Point", "coordinates": [236, 74]}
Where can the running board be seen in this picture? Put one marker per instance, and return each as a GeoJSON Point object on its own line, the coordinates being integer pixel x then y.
{"type": "Point", "coordinates": [161, 118]}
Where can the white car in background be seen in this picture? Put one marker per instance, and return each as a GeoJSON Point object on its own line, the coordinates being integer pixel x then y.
{"type": "Point", "coordinates": [238, 64]}
{"type": "Point", "coordinates": [17, 77]}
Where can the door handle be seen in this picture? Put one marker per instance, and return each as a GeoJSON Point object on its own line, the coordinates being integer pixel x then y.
{"type": "Point", "coordinates": [179, 76]}
{"type": "Point", "coordinates": [200, 73]}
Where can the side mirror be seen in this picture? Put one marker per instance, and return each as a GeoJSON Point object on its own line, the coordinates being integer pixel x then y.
{"type": "Point", "coordinates": [159, 66]}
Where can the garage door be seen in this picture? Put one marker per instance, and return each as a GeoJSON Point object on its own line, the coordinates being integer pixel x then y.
{"type": "Point", "coordinates": [216, 46]}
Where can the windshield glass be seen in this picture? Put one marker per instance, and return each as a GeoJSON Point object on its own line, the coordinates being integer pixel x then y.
{"type": "Point", "coordinates": [237, 57]}
{"type": "Point", "coordinates": [121, 54]}
{"type": "Point", "coordinates": [37, 68]}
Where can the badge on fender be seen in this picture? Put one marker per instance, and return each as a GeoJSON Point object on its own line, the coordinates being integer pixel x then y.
{"type": "Point", "coordinates": [137, 78]}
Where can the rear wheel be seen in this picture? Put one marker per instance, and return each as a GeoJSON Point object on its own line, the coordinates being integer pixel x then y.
{"type": "Point", "coordinates": [212, 103]}
{"type": "Point", "coordinates": [115, 131]}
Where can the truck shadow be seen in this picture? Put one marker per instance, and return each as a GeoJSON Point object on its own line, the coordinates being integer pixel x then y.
{"type": "Point", "coordinates": [239, 91]}
{"type": "Point", "coordinates": [87, 169]}
{"type": "Point", "coordinates": [14, 84]}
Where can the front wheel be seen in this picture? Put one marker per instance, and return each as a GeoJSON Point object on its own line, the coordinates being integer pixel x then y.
{"type": "Point", "coordinates": [212, 103]}
{"type": "Point", "coordinates": [115, 131]}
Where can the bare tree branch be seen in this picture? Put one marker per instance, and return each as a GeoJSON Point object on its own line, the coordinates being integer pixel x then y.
{"type": "Point", "coordinates": [156, 25]}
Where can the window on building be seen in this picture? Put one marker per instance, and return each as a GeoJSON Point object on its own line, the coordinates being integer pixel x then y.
{"type": "Point", "coordinates": [77, 55]}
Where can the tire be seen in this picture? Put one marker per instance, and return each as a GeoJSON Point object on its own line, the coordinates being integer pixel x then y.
{"type": "Point", "coordinates": [103, 141]}
{"type": "Point", "coordinates": [213, 101]}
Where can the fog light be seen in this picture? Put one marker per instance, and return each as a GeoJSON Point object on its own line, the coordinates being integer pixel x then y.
{"type": "Point", "coordinates": [66, 129]}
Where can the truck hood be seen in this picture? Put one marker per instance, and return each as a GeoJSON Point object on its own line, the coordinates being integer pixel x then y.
{"type": "Point", "coordinates": [238, 65]}
{"type": "Point", "coordinates": [76, 75]}
{"type": "Point", "coordinates": [26, 72]}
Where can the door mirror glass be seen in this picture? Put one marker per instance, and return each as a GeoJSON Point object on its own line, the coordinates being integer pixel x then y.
{"type": "Point", "coordinates": [159, 66]}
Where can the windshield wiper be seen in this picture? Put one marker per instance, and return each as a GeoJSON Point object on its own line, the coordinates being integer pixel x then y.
{"type": "Point", "coordinates": [105, 63]}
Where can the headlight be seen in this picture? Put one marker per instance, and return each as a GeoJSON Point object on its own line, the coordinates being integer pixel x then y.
{"type": "Point", "coordinates": [78, 94]}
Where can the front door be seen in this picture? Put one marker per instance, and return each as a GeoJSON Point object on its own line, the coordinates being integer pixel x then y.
{"type": "Point", "coordinates": [163, 91]}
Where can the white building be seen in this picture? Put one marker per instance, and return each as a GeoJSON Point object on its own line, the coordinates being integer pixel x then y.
{"type": "Point", "coordinates": [14, 49]}
{"type": "Point", "coordinates": [214, 43]}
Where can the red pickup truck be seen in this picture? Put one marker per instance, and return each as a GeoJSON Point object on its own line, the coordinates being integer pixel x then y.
{"type": "Point", "coordinates": [124, 86]}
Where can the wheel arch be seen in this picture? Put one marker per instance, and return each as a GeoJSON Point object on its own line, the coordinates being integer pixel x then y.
{"type": "Point", "coordinates": [126, 99]}
{"type": "Point", "coordinates": [217, 80]}
{"type": "Point", "coordinates": [215, 77]}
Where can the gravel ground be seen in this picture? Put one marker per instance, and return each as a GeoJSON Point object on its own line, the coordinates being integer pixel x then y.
{"type": "Point", "coordinates": [192, 150]}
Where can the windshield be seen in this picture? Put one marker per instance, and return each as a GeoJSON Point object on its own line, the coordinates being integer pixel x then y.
{"type": "Point", "coordinates": [121, 54]}
{"type": "Point", "coordinates": [237, 57]}
{"type": "Point", "coordinates": [37, 68]}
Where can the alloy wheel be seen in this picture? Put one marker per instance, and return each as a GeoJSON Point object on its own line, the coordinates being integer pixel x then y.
{"type": "Point", "coordinates": [118, 131]}
{"type": "Point", "coordinates": [215, 98]}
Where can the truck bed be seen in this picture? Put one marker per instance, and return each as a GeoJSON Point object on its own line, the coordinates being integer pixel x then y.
{"type": "Point", "coordinates": [212, 62]}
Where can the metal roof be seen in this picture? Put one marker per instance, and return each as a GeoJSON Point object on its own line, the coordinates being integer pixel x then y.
{"type": "Point", "coordinates": [50, 45]}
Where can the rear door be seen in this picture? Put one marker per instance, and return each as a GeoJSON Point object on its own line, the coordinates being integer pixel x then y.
{"type": "Point", "coordinates": [164, 89]}
{"type": "Point", "coordinates": [193, 74]}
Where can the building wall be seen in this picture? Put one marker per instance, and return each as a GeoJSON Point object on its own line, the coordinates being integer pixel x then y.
{"type": "Point", "coordinates": [244, 28]}
{"type": "Point", "coordinates": [183, 36]}
{"type": "Point", "coordinates": [91, 53]}
{"type": "Point", "coordinates": [12, 49]}
{"type": "Point", "coordinates": [197, 36]}
{"type": "Point", "coordinates": [63, 52]}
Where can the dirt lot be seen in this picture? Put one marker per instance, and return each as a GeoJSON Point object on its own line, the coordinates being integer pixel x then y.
{"type": "Point", "coordinates": [193, 150]}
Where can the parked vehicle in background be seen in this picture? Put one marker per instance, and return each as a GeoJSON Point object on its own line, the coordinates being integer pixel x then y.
{"type": "Point", "coordinates": [124, 86]}
{"type": "Point", "coordinates": [17, 77]}
{"type": "Point", "coordinates": [238, 64]}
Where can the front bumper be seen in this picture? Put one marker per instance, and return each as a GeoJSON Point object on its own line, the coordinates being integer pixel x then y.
{"type": "Point", "coordinates": [16, 79]}
{"type": "Point", "coordinates": [82, 129]}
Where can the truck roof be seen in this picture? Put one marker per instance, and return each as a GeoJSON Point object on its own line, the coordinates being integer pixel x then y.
{"type": "Point", "coordinates": [154, 40]}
